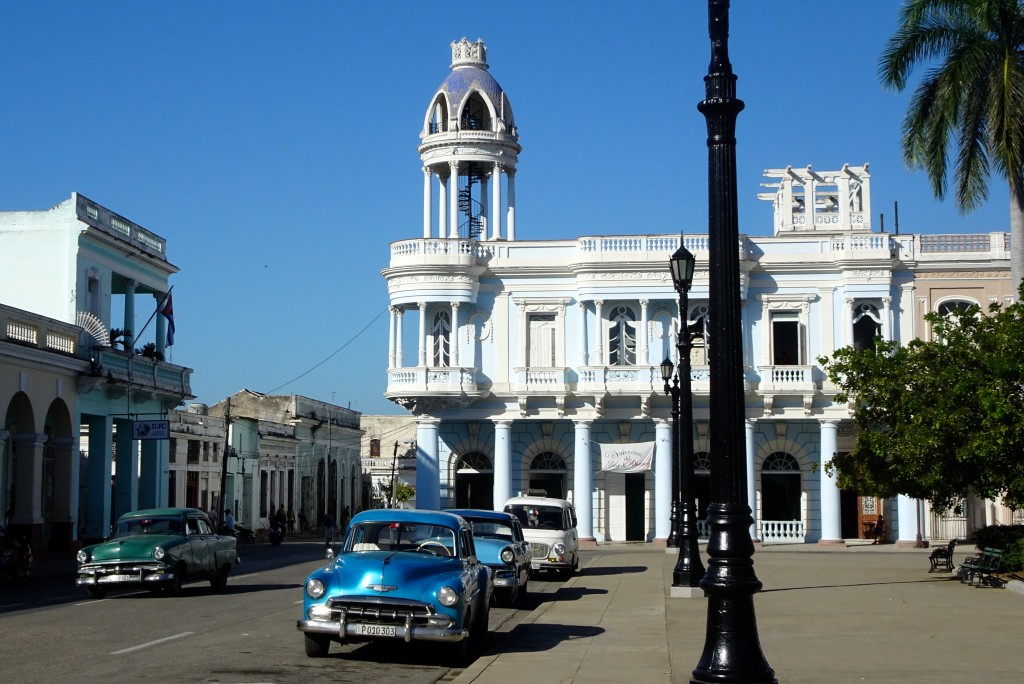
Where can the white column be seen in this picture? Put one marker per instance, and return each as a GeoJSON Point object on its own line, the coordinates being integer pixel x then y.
{"type": "Point", "coordinates": [502, 462]}
{"type": "Point", "coordinates": [442, 206]}
{"type": "Point", "coordinates": [453, 201]}
{"type": "Point", "coordinates": [129, 317]}
{"type": "Point", "coordinates": [583, 333]}
{"type": "Point", "coordinates": [399, 357]}
{"type": "Point", "coordinates": [428, 479]}
{"type": "Point", "coordinates": [582, 486]}
{"type": "Point", "coordinates": [748, 431]}
{"type": "Point", "coordinates": [455, 335]}
{"type": "Point", "coordinates": [422, 361]}
{"type": "Point", "coordinates": [886, 318]}
{"type": "Point", "coordinates": [831, 530]}
{"type": "Point", "coordinates": [906, 521]}
{"type": "Point", "coordinates": [496, 202]}
{"type": "Point", "coordinates": [598, 335]}
{"type": "Point", "coordinates": [510, 197]}
{"type": "Point", "coordinates": [644, 357]}
{"type": "Point", "coordinates": [427, 208]}
{"type": "Point", "coordinates": [662, 479]}
{"type": "Point", "coordinates": [847, 327]}
{"type": "Point", "coordinates": [391, 337]}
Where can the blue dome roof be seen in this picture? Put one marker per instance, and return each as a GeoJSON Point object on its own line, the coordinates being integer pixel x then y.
{"type": "Point", "coordinates": [461, 81]}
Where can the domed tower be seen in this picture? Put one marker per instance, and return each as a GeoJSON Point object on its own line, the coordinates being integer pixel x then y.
{"type": "Point", "coordinates": [469, 140]}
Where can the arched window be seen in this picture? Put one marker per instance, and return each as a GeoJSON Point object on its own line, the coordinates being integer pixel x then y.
{"type": "Point", "coordinates": [867, 325]}
{"type": "Point", "coordinates": [702, 483]}
{"type": "Point", "coordinates": [622, 337]}
{"type": "Point", "coordinates": [475, 115]}
{"type": "Point", "coordinates": [440, 333]}
{"type": "Point", "coordinates": [698, 325]}
{"type": "Point", "coordinates": [547, 472]}
{"type": "Point", "coordinates": [950, 305]}
{"type": "Point", "coordinates": [473, 462]}
{"type": "Point", "coordinates": [474, 482]}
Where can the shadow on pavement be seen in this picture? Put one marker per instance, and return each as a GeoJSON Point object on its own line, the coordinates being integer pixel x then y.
{"type": "Point", "coordinates": [537, 637]}
{"type": "Point", "coordinates": [614, 570]}
{"type": "Point", "coordinates": [859, 584]}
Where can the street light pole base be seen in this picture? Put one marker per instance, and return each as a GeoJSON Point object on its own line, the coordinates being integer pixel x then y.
{"type": "Point", "coordinates": [686, 592]}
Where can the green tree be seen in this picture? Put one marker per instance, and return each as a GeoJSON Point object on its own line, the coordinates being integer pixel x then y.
{"type": "Point", "coordinates": [938, 418]}
{"type": "Point", "coordinates": [971, 99]}
{"type": "Point", "coordinates": [403, 492]}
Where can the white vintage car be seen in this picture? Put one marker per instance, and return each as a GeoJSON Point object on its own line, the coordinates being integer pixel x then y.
{"type": "Point", "coordinates": [550, 527]}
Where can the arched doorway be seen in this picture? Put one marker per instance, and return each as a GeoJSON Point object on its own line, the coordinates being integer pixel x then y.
{"type": "Point", "coordinates": [547, 473]}
{"type": "Point", "coordinates": [474, 482]}
{"type": "Point", "coordinates": [781, 519]}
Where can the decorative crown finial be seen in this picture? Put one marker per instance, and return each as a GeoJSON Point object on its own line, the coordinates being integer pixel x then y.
{"type": "Point", "coordinates": [465, 53]}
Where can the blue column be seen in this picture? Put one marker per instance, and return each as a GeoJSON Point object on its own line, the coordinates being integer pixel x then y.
{"type": "Point", "coordinates": [153, 474]}
{"type": "Point", "coordinates": [428, 479]}
{"type": "Point", "coordinates": [502, 462]}
{"type": "Point", "coordinates": [126, 475]}
{"type": "Point", "coordinates": [582, 487]}
{"type": "Point", "coordinates": [129, 316]}
{"type": "Point", "coordinates": [662, 479]}
{"type": "Point", "coordinates": [831, 530]}
{"type": "Point", "coordinates": [748, 432]}
{"type": "Point", "coordinates": [97, 498]}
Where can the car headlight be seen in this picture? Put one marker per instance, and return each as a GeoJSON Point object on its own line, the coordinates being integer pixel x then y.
{"type": "Point", "coordinates": [507, 555]}
{"type": "Point", "coordinates": [159, 552]}
{"type": "Point", "coordinates": [559, 549]}
{"type": "Point", "coordinates": [315, 588]}
{"type": "Point", "coordinates": [83, 556]}
{"type": "Point", "coordinates": [447, 596]}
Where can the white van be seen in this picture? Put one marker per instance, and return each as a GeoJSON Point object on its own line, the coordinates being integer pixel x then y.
{"type": "Point", "coordinates": [550, 527]}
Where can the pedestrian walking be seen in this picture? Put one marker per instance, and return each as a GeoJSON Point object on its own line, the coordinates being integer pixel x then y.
{"type": "Point", "coordinates": [329, 530]}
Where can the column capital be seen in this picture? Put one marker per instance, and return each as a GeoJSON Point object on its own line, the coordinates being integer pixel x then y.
{"type": "Point", "coordinates": [585, 423]}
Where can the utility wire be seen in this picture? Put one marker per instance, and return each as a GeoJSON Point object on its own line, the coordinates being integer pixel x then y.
{"type": "Point", "coordinates": [333, 354]}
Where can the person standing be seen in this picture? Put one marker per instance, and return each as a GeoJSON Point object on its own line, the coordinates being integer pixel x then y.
{"type": "Point", "coordinates": [291, 521]}
{"type": "Point", "coordinates": [329, 530]}
{"type": "Point", "coordinates": [229, 521]}
{"type": "Point", "coordinates": [212, 515]}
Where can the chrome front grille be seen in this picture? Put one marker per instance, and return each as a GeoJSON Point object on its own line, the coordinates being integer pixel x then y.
{"type": "Point", "coordinates": [380, 611]}
{"type": "Point", "coordinates": [539, 550]}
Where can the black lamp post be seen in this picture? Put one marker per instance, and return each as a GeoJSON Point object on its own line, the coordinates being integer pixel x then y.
{"type": "Point", "coordinates": [732, 650]}
{"type": "Point", "coordinates": [689, 569]}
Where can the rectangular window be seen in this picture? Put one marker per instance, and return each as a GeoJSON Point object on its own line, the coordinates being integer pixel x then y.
{"type": "Point", "coordinates": [543, 342]}
{"type": "Point", "coordinates": [786, 346]}
{"type": "Point", "coordinates": [193, 451]}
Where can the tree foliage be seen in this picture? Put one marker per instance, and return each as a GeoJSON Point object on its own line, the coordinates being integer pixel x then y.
{"type": "Point", "coordinates": [938, 418]}
{"type": "Point", "coordinates": [403, 491]}
{"type": "Point", "coordinates": [970, 100]}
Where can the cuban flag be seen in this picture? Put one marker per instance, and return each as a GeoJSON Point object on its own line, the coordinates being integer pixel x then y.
{"type": "Point", "coordinates": [167, 311]}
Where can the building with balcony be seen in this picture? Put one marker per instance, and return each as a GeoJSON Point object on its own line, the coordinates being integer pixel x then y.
{"type": "Point", "coordinates": [531, 364]}
{"type": "Point", "coordinates": [98, 278]}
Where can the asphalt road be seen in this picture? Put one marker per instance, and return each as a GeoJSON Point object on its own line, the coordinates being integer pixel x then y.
{"type": "Point", "coordinates": [50, 631]}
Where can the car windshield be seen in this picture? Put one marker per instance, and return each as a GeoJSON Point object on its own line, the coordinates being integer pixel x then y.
{"type": "Point", "coordinates": [400, 536]}
{"type": "Point", "coordinates": [134, 526]}
{"type": "Point", "coordinates": [491, 529]}
{"type": "Point", "coordinates": [538, 517]}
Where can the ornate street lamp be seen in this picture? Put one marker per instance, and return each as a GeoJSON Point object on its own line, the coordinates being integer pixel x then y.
{"type": "Point", "coordinates": [732, 650]}
{"type": "Point", "coordinates": [689, 569]}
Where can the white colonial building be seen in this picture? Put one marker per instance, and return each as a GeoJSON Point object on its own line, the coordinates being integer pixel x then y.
{"type": "Point", "coordinates": [522, 360]}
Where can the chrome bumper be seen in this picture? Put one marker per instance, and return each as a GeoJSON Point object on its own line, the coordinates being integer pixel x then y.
{"type": "Point", "coordinates": [92, 575]}
{"type": "Point", "coordinates": [406, 633]}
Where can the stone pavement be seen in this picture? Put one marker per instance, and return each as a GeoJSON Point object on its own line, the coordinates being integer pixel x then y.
{"type": "Point", "coordinates": [836, 615]}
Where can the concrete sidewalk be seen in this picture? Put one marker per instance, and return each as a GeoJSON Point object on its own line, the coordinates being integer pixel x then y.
{"type": "Point", "coordinates": [863, 613]}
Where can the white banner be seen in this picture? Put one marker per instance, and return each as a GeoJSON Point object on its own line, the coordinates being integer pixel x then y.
{"type": "Point", "coordinates": [627, 458]}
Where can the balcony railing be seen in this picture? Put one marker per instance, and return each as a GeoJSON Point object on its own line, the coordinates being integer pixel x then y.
{"type": "Point", "coordinates": [540, 380]}
{"type": "Point", "coordinates": [424, 380]}
{"type": "Point", "coordinates": [786, 378]}
{"type": "Point", "coordinates": [144, 373]}
{"type": "Point", "coordinates": [32, 330]}
{"type": "Point", "coordinates": [781, 531]}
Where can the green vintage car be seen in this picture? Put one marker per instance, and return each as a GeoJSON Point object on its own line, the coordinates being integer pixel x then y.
{"type": "Point", "coordinates": [158, 548]}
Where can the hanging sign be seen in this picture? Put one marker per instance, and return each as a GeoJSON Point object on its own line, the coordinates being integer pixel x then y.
{"type": "Point", "coordinates": [627, 458]}
{"type": "Point", "coordinates": [151, 429]}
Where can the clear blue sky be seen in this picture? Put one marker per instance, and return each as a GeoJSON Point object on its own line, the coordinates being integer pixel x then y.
{"type": "Point", "coordinates": [274, 144]}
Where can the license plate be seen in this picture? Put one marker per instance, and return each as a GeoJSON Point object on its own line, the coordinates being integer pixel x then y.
{"type": "Point", "coordinates": [376, 630]}
{"type": "Point", "coordinates": [118, 578]}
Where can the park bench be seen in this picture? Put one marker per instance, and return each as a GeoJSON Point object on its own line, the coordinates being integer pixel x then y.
{"type": "Point", "coordinates": [984, 566]}
{"type": "Point", "coordinates": [942, 557]}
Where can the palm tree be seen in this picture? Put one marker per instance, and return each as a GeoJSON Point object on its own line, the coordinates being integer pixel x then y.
{"type": "Point", "coordinates": [971, 99]}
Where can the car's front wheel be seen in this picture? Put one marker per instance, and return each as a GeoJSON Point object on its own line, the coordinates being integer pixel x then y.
{"type": "Point", "coordinates": [173, 586]}
{"type": "Point", "coordinates": [317, 645]}
{"type": "Point", "coordinates": [220, 580]}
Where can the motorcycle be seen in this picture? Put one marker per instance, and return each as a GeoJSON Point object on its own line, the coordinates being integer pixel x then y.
{"type": "Point", "coordinates": [15, 558]}
{"type": "Point", "coordinates": [244, 535]}
{"type": "Point", "coordinates": [276, 533]}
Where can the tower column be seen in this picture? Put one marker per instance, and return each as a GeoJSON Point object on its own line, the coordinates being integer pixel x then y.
{"type": "Point", "coordinates": [496, 202]}
{"type": "Point", "coordinates": [886, 318]}
{"type": "Point", "coordinates": [454, 337]}
{"type": "Point", "coordinates": [399, 357]}
{"type": "Point", "coordinates": [643, 358]}
{"type": "Point", "coordinates": [598, 334]}
{"type": "Point", "coordinates": [129, 316]}
{"type": "Point", "coordinates": [583, 478]}
{"type": "Point", "coordinates": [422, 361]}
{"type": "Point", "coordinates": [453, 200]}
{"type": "Point", "coordinates": [442, 206]}
{"type": "Point", "coordinates": [502, 462]}
{"type": "Point", "coordinates": [391, 336]}
{"type": "Point", "coordinates": [427, 197]}
{"type": "Point", "coordinates": [583, 333]}
{"type": "Point", "coordinates": [510, 224]}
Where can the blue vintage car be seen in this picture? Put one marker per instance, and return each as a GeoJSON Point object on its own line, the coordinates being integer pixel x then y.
{"type": "Point", "coordinates": [501, 545]}
{"type": "Point", "coordinates": [157, 549]}
{"type": "Point", "coordinates": [402, 575]}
